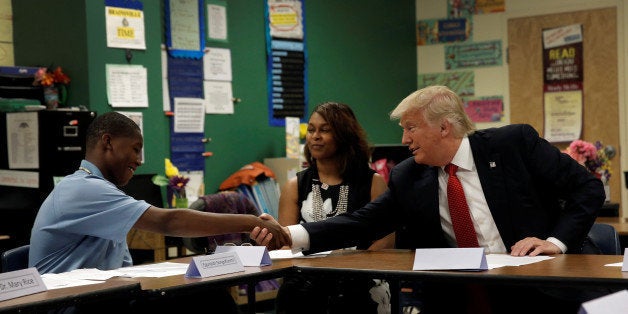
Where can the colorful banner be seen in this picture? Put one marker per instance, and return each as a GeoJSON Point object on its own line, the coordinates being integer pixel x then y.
{"type": "Point", "coordinates": [460, 8]}
{"type": "Point", "coordinates": [563, 83]}
{"type": "Point", "coordinates": [484, 109]}
{"type": "Point", "coordinates": [489, 6]}
{"type": "Point", "coordinates": [486, 53]}
{"type": "Point", "coordinates": [443, 31]}
{"type": "Point", "coordinates": [464, 8]}
{"type": "Point", "coordinates": [460, 82]}
{"type": "Point", "coordinates": [286, 61]}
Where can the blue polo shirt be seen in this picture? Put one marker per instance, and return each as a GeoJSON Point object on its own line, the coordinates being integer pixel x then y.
{"type": "Point", "coordinates": [83, 223]}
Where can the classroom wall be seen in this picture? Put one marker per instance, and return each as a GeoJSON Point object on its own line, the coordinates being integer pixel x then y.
{"type": "Point", "coordinates": [494, 80]}
{"type": "Point", "coordinates": [359, 52]}
{"type": "Point", "coordinates": [6, 33]}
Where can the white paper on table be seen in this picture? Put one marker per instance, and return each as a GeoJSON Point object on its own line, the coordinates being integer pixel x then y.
{"type": "Point", "coordinates": [501, 260]}
{"type": "Point", "coordinates": [619, 264]}
{"type": "Point", "coordinates": [58, 281]}
{"type": "Point", "coordinates": [283, 254]}
{"type": "Point", "coordinates": [152, 270]}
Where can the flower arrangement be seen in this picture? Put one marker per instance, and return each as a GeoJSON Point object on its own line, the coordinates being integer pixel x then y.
{"type": "Point", "coordinates": [174, 182]}
{"type": "Point", "coordinates": [595, 157]}
{"type": "Point", "coordinates": [44, 77]}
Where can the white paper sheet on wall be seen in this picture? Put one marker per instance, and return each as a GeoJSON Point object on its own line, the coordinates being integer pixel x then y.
{"type": "Point", "coordinates": [23, 140]}
{"type": "Point", "coordinates": [127, 85]}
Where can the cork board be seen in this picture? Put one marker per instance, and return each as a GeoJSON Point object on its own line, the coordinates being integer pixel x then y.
{"type": "Point", "coordinates": [600, 94]}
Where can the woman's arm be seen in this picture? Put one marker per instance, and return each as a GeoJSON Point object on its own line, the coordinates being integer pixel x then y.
{"type": "Point", "coordinates": [288, 203]}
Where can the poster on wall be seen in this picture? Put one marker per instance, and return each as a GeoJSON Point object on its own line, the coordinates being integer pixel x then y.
{"type": "Point", "coordinates": [286, 61]}
{"type": "Point", "coordinates": [484, 109]}
{"type": "Point", "coordinates": [487, 53]}
{"type": "Point", "coordinates": [216, 12]}
{"type": "Point", "coordinates": [563, 83]}
{"type": "Point", "coordinates": [185, 28]}
{"type": "Point", "coordinates": [489, 6]}
{"type": "Point", "coordinates": [563, 116]}
{"type": "Point", "coordinates": [430, 32]}
{"type": "Point", "coordinates": [185, 81]}
{"type": "Point", "coordinates": [460, 82]}
{"type": "Point", "coordinates": [460, 8]}
{"type": "Point", "coordinates": [125, 24]}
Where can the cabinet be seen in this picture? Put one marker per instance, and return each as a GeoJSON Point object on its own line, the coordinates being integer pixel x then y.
{"type": "Point", "coordinates": [36, 148]}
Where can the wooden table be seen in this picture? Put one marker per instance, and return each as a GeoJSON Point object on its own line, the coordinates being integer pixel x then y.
{"type": "Point", "coordinates": [94, 296]}
{"type": "Point", "coordinates": [395, 265]}
{"type": "Point", "coordinates": [562, 270]}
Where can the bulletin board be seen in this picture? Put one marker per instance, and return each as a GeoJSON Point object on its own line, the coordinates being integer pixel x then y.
{"type": "Point", "coordinates": [600, 87]}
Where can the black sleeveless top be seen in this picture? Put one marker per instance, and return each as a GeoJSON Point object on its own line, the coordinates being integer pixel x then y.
{"type": "Point", "coordinates": [318, 201]}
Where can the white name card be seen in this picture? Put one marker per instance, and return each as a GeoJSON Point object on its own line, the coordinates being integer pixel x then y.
{"type": "Point", "coordinates": [19, 283]}
{"type": "Point", "coordinates": [249, 255]}
{"type": "Point", "coordinates": [214, 265]}
{"type": "Point", "coordinates": [609, 304]}
{"type": "Point", "coordinates": [450, 259]}
{"type": "Point", "coordinates": [624, 266]}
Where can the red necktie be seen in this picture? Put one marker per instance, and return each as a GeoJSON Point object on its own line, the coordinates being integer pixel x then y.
{"type": "Point", "coordinates": [459, 210]}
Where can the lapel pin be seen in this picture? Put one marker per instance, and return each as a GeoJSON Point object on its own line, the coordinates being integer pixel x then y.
{"type": "Point", "coordinates": [492, 164]}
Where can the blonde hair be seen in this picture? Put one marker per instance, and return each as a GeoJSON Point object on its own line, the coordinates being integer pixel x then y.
{"type": "Point", "coordinates": [436, 103]}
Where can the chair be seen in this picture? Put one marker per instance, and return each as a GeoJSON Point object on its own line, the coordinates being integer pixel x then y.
{"type": "Point", "coordinates": [222, 202]}
{"type": "Point", "coordinates": [15, 258]}
{"type": "Point", "coordinates": [605, 238]}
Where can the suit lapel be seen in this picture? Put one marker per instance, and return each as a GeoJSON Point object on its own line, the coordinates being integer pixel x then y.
{"type": "Point", "coordinates": [490, 166]}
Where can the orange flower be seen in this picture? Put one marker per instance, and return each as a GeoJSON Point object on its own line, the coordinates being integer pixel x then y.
{"type": "Point", "coordinates": [44, 77]}
{"type": "Point", "coordinates": [60, 77]}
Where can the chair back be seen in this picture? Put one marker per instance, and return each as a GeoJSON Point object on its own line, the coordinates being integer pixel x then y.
{"type": "Point", "coordinates": [605, 238]}
{"type": "Point", "coordinates": [223, 202]}
{"type": "Point", "coordinates": [15, 259]}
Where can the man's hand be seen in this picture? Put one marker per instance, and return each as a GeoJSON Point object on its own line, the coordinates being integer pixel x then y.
{"type": "Point", "coordinates": [271, 234]}
{"type": "Point", "coordinates": [534, 246]}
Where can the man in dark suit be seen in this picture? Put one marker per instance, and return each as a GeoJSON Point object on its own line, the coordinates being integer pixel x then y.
{"type": "Point", "coordinates": [524, 196]}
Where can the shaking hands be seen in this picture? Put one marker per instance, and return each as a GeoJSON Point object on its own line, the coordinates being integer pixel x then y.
{"type": "Point", "coordinates": [271, 234]}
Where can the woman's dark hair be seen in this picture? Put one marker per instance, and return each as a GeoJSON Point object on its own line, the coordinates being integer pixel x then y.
{"type": "Point", "coordinates": [351, 141]}
{"type": "Point", "coordinates": [112, 122]}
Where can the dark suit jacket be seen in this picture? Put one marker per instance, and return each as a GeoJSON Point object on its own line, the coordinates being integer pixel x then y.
{"type": "Point", "coordinates": [532, 190]}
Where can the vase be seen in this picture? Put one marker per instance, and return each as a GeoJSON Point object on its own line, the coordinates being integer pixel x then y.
{"type": "Point", "coordinates": [51, 97]}
{"type": "Point", "coordinates": [180, 202]}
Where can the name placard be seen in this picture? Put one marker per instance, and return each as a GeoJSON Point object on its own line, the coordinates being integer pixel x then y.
{"type": "Point", "coordinates": [214, 265]}
{"type": "Point", "coordinates": [249, 255]}
{"type": "Point", "coordinates": [608, 304]}
{"type": "Point", "coordinates": [19, 283]}
{"type": "Point", "coordinates": [465, 259]}
{"type": "Point", "coordinates": [624, 266]}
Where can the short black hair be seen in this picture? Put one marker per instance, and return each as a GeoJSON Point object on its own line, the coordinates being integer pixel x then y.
{"type": "Point", "coordinates": [113, 123]}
